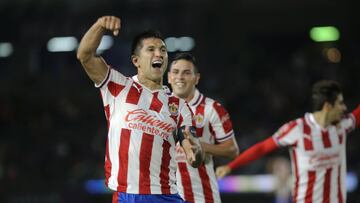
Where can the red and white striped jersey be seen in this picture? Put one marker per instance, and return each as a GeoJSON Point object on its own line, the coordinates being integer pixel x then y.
{"type": "Point", "coordinates": [140, 150]}
{"type": "Point", "coordinates": [318, 158]}
{"type": "Point", "coordinates": [213, 125]}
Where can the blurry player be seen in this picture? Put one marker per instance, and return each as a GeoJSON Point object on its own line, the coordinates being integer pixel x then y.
{"type": "Point", "coordinates": [141, 114]}
{"type": "Point", "coordinates": [213, 127]}
{"type": "Point", "coordinates": [316, 144]}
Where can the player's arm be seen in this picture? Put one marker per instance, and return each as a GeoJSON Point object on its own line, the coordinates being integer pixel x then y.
{"type": "Point", "coordinates": [356, 114]}
{"type": "Point", "coordinates": [227, 148]}
{"type": "Point", "coordinates": [253, 153]}
{"type": "Point", "coordinates": [224, 134]}
{"type": "Point", "coordinates": [95, 66]}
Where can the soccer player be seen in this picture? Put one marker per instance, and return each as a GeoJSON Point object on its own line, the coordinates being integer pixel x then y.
{"type": "Point", "coordinates": [213, 127]}
{"type": "Point", "coordinates": [316, 145]}
{"type": "Point", "coordinates": [141, 116]}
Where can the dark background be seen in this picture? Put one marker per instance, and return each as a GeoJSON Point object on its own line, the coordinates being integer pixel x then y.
{"type": "Point", "coordinates": [255, 57]}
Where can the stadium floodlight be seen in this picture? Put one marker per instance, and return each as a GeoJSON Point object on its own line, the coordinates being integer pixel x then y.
{"type": "Point", "coordinates": [324, 34]}
{"type": "Point", "coordinates": [62, 44]}
{"type": "Point", "coordinates": [6, 49]}
{"type": "Point", "coordinates": [174, 44]}
{"type": "Point", "coordinates": [186, 43]}
{"type": "Point", "coordinates": [171, 44]}
{"type": "Point", "coordinates": [107, 42]}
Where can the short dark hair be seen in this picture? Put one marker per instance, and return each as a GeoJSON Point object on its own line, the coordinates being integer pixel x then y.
{"type": "Point", "coordinates": [137, 41]}
{"type": "Point", "coordinates": [187, 57]}
{"type": "Point", "coordinates": [325, 91]}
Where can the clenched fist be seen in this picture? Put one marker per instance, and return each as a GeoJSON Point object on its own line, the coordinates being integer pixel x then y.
{"type": "Point", "coordinates": [111, 23]}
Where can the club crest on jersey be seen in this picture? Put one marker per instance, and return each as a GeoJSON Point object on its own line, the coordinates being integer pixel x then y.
{"type": "Point", "coordinates": [199, 119]}
{"type": "Point", "coordinates": [174, 109]}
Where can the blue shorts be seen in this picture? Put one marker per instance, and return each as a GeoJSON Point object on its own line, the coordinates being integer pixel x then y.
{"type": "Point", "coordinates": [122, 197]}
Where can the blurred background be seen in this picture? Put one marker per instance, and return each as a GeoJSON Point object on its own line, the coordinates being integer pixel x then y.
{"type": "Point", "coordinates": [258, 58]}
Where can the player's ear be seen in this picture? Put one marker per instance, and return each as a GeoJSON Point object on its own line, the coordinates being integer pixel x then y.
{"type": "Point", "coordinates": [134, 60]}
{"type": "Point", "coordinates": [197, 78]}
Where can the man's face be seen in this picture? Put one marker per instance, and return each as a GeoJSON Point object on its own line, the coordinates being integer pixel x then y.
{"type": "Point", "coordinates": [152, 59]}
{"type": "Point", "coordinates": [182, 78]}
{"type": "Point", "coordinates": [337, 110]}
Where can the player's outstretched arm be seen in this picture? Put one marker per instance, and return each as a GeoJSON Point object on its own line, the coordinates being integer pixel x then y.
{"type": "Point", "coordinates": [253, 153]}
{"type": "Point", "coordinates": [95, 66]}
{"type": "Point", "coordinates": [228, 148]}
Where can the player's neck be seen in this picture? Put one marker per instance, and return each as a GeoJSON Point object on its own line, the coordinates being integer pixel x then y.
{"type": "Point", "coordinates": [151, 84]}
{"type": "Point", "coordinates": [321, 117]}
{"type": "Point", "coordinates": [190, 96]}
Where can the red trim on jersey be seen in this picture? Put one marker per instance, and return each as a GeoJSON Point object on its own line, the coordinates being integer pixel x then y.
{"type": "Point", "coordinates": [165, 162]}
{"type": "Point", "coordinates": [308, 145]}
{"type": "Point", "coordinates": [254, 152]}
{"type": "Point", "coordinates": [310, 186]}
{"type": "Point", "coordinates": [134, 94]}
{"type": "Point", "coordinates": [325, 139]}
{"type": "Point", "coordinates": [200, 109]}
{"type": "Point", "coordinates": [285, 132]}
{"type": "Point", "coordinates": [186, 182]}
{"type": "Point", "coordinates": [144, 162]}
{"type": "Point", "coordinates": [192, 115]}
{"type": "Point", "coordinates": [356, 114]}
{"type": "Point", "coordinates": [297, 177]}
{"type": "Point", "coordinates": [327, 182]}
{"type": "Point", "coordinates": [114, 88]}
{"type": "Point", "coordinates": [107, 165]}
{"type": "Point", "coordinates": [156, 104]}
{"type": "Point", "coordinates": [340, 197]}
{"type": "Point", "coordinates": [224, 117]}
{"type": "Point", "coordinates": [123, 159]}
{"type": "Point", "coordinates": [205, 182]}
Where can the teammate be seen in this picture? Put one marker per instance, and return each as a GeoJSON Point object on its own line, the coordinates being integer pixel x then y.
{"type": "Point", "coordinates": [213, 126]}
{"type": "Point", "coordinates": [316, 144]}
{"type": "Point", "coordinates": [141, 115]}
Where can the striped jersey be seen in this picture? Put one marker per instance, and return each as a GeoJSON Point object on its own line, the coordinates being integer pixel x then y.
{"type": "Point", "coordinates": [213, 125]}
{"type": "Point", "coordinates": [140, 148]}
{"type": "Point", "coordinates": [318, 158]}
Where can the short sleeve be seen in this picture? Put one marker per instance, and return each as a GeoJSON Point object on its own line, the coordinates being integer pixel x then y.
{"type": "Point", "coordinates": [288, 134]}
{"type": "Point", "coordinates": [221, 123]}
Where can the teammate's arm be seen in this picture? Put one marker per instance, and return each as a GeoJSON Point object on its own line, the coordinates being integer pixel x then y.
{"type": "Point", "coordinates": [253, 153]}
{"type": "Point", "coordinates": [228, 148]}
{"type": "Point", "coordinates": [95, 66]}
{"type": "Point", "coordinates": [222, 127]}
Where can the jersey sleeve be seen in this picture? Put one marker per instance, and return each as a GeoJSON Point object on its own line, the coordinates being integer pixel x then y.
{"type": "Point", "coordinates": [221, 123]}
{"type": "Point", "coordinates": [110, 88]}
{"type": "Point", "coordinates": [288, 134]}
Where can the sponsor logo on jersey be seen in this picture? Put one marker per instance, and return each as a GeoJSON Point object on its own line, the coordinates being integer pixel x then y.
{"type": "Point", "coordinates": [140, 119]}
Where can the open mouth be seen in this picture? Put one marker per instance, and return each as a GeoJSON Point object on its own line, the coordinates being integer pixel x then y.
{"type": "Point", "coordinates": [157, 64]}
